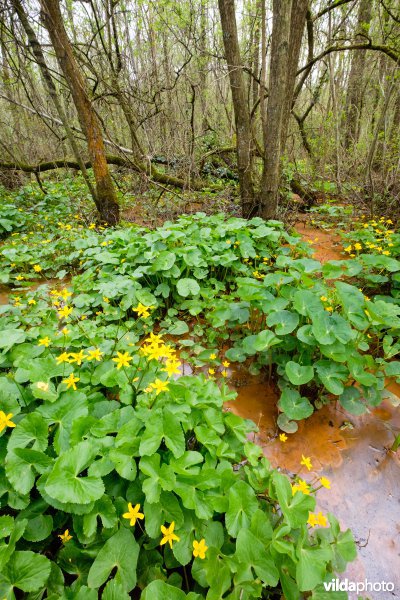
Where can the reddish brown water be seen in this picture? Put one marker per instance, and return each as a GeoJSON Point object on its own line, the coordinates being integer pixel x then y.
{"type": "Point", "coordinates": [326, 244]}
{"type": "Point", "coordinates": [365, 476]}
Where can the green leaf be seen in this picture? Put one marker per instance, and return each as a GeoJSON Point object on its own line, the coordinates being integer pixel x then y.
{"type": "Point", "coordinates": [38, 528]}
{"type": "Point", "coordinates": [242, 504]}
{"type": "Point", "coordinates": [124, 462]}
{"type": "Point", "coordinates": [178, 328]}
{"type": "Point", "coordinates": [294, 507]}
{"type": "Point", "coordinates": [64, 483]}
{"type": "Point", "coordinates": [10, 337]}
{"type": "Point", "coordinates": [285, 321]}
{"type": "Point", "coordinates": [173, 434]}
{"type": "Point", "coordinates": [311, 568]}
{"type": "Point", "coordinates": [294, 405]}
{"type": "Point", "coordinates": [253, 554]}
{"type": "Point", "coordinates": [350, 400]}
{"type": "Point", "coordinates": [32, 430]}
{"type": "Point", "coordinates": [152, 436]}
{"type": "Point", "coordinates": [22, 464]}
{"type": "Point", "coordinates": [332, 375]}
{"type": "Point", "coordinates": [323, 329]}
{"type": "Point", "coordinates": [285, 424]}
{"type": "Point", "coordinates": [159, 590]}
{"type": "Point", "coordinates": [27, 571]}
{"type": "Point", "coordinates": [164, 261]}
{"type": "Point", "coordinates": [159, 477]}
{"type": "Point", "coordinates": [120, 551]}
{"type": "Point", "coordinates": [115, 591]}
{"type": "Point", "coordinates": [187, 287]}
{"type": "Point", "coordinates": [298, 374]}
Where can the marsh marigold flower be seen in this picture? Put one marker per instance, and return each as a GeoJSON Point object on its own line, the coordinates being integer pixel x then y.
{"type": "Point", "coordinates": [46, 341]}
{"type": "Point", "coordinates": [5, 420]}
{"type": "Point", "coordinates": [65, 537]}
{"type": "Point", "coordinates": [122, 359]}
{"type": "Point", "coordinates": [169, 535]}
{"type": "Point", "coordinates": [199, 548]}
{"type": "Point", "coordinates": [306, 461]}
{"type": "Point", "coordinates": [133, 514]}
{"type": "Point", "coordinates": [283, 437]}
{"type": "Point", "coordinates": [159, 386]}
{"type": "Point", "coordinates": [71, 381]}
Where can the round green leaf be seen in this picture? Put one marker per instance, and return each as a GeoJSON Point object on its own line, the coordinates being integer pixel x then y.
{"type": "Point", "coordinates": [298, 374]}
{"type": "Point", "coordinates": [187, 287]}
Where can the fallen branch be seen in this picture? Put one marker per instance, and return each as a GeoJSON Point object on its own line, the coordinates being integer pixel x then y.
{"type": "Point", "coordinates": [112, 159]}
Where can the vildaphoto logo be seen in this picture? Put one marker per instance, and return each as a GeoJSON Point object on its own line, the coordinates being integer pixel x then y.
{"type": "Point", "coordinates": [336, 585]}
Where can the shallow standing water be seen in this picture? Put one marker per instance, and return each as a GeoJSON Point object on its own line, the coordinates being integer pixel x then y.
{"type": "Point", "coordinates": [353, 453]}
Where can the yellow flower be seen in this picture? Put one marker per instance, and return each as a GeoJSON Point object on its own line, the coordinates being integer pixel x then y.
{"type": "Point", "coordinates": [65, 537]}
{"type": "Point", "coordinates": [122, 359]}
{"type": "Point", "coordinates": [65, 312]}
{"type": "Point", "coordinates": [322, 520]}
{"type": "Point", "coordinates": [301, 486]}
{"type": "Point", "coordinates": [71, 381]}
{"type": "Point", "coordinates": [159, 386]}
{"type": "Point", "coordinates": [348, 249]}
{"type": "Point", "coordinates": [65, 331]}
{"type": "Point", "coordinates": [283, 437]}
{"type": "Point", "coordinates": [169, 535]}
{"type": "Point", "coordinates": [31, 301]}
{"type": "Point", "coordinates": [357, 246]}
{"type": "Point", "coordinates": [92, 226]}
{"type": "Point", "coordinates": [19, 277]}
{"type": "Point", "coordinates": [329, 308]}
{"type": "Point", "coordinates": [77, 357]}
{"type": "Point", "coordinates": [323, 299]}
{"type": "Point", "coordinates": [211, 371]}
{"type": "Point", "coordinates": [306, 461]}
{"type": "Point", "coordinates": [62, 358]}
{"type": "Point", "coordinates": [133, 514]}
{"type": "Point", "coordinates": [172, 367]}
{"type": "Point", "coordinates": [143, 311]}
{"type": "Point", "coordinates": [65, 294]}
{"type": "Point", "coordinates": [46, 341]}
{"type": "Point", "coordinates": [213, 356]}
{"type": "Point", "coordinates": [5, 420]}
{"type": "Point", "coordinates": [386, 252]}
{"type": "Point", "coordinates": [325, 483]}
{"type": "Point", "coordinates": [105, 299]}
{"type": "Point", "coordinates": [199, 548]}
{"type": "Point", "coordinates": [37, 268]}
{"type": "Point", "coordinates": [226, 363]}
{"type": "Point", "coordinates": [224, 373]}
{"type": "Point", "coordinates": [312, 520]}
{"type": "Point", "coordinates": [95, 354]}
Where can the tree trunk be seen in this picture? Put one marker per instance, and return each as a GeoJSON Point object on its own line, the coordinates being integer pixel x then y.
{"type": "Point", "coordinates": [278, 82]}
{"type": "Point", "coordinates": [106, 199]}
{"type": "Point", "coordinates": [355, 92]}
{"type": "Point", "coordinates": [242, 117]}
{"type": "Point", "coordinates": [51, 88]}
{"type": "Point", "coordinates": [297, 24]}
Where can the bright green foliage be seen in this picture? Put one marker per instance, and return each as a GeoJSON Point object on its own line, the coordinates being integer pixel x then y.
{"type": "Point", "coordinates": [102, 421]}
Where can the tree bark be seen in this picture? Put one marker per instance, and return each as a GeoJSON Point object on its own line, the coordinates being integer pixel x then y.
{"type": "Point", "coordinates": [106, 198]}
{"type": "Point", "coordinates": [355, 92]}
{"type": "Point", "coordinates": [51, 88]}
{"type": "Point", "coordinates": [278, 83]}
{"type": "Point", "coordinates": [242, 116]}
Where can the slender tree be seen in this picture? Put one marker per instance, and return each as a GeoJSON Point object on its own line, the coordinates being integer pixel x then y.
{"type": "Point", "coordinates": [106, 198]}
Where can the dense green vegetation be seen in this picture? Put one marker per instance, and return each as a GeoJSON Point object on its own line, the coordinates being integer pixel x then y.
{"type": "Point", "coordinates": [108, 450]}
